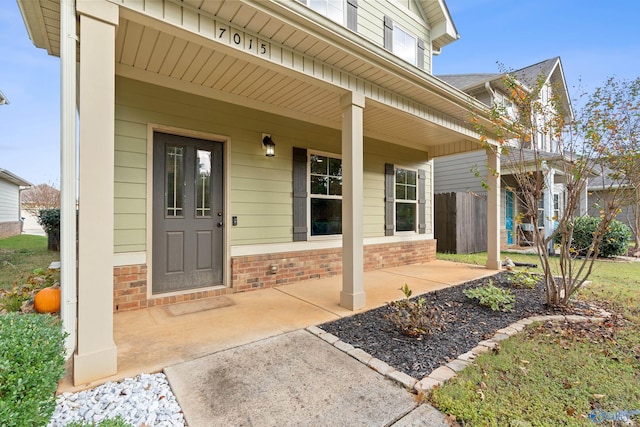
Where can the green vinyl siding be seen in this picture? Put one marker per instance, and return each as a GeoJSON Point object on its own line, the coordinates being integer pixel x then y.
{"type": "Point", "coordinates": [371, 22]}
{"type": "Point", "coordinates": [260, 188]}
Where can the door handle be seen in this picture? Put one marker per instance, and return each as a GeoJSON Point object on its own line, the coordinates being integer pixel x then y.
{"type": "Point", "coordinates": [220, 224]}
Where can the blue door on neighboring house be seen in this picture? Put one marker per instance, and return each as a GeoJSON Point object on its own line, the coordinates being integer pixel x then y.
{"type": "Point", "coordinates": [508, 216]}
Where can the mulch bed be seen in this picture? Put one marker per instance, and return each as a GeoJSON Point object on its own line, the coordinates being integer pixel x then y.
{"type": "Point", "coordinates": [467, 323]}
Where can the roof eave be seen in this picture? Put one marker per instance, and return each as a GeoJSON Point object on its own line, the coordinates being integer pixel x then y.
{"type": "Point", "coordinates": [14, 179]}
{"type": "Point", "coordinates": [34, 22]}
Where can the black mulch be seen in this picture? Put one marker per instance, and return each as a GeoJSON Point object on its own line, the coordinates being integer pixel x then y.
{"type": "Point", "coordinates": [467, 324]}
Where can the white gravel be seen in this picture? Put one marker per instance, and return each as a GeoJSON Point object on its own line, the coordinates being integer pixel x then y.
{"type": "Point", "coordinates": [146, 400]}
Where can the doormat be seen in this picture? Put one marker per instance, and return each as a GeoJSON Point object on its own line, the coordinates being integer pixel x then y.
{"type": "Point", "coordinates": [198, 306]}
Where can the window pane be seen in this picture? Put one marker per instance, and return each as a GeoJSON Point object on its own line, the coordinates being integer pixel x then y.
{"type": "Point", "coordinates": [335, 186]}
{"type": "Point", "coordinates": [405, 216]}
{"type": "Point", "coordinates": [404, 45]}
{"type": "Point", "coordinates": [401, 192]}
{"type": "Point", "coordinates": [411, 177]}
{"type": "Point", "coordinates": [401, 176]}
{"type": "Point", "coordinates": [332, 9]}
{"type": "Point", "coordinates": [319, 185]}
{"type": "Point", "coordinates": [335, 167]}
{"type": "Point", "coordinates": [203, 183]}
{"type": "Point", "coordinates": [326, 217]}
{"type": "Point", "coordinates": [174, 181]}
{"type": "Point", "coordinates": [411, 193]}
{"type": "Point", "coordinates": [319, 164]}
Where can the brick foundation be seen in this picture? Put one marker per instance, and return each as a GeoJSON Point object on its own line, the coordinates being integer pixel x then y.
{"type": "Point", "coordinates": [130, 290]}
{"type": "Point", "coordinates": [254, 271]}
{"type": "Point", "coordinates": [9, 229]}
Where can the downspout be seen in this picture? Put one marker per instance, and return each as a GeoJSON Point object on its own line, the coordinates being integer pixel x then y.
{"type": "Point", "coordinates": [492, 93]}
{"type": "Point", "coordinates": [68, 230]}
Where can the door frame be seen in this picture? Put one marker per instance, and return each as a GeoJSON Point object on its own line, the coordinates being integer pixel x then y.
{"type": "Point", "coordinates": [226, 249]}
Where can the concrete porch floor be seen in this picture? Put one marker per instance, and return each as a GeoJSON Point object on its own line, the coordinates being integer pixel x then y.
{"type": "Point", "coordinates": [149, 340]}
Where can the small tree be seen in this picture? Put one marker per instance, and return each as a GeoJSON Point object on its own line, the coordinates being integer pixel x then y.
{"type": "Point", "coordinates": [539, 118]}
{"type": "Point", "coordinates": [619, 113]}
{"type": "Point", "coordinates": [41, 196]}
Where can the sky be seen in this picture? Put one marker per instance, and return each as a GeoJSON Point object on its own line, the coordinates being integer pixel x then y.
{"type": "Point", "coordinates": [595, 40]}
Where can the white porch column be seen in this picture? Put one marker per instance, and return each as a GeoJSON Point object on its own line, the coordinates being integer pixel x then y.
{"type": "Point", "coordinates": [493, 210]}
{"type": "Point", "coordinates": [352, 295]}
{"type": "Point", "coordinates": [68, 163]}
{"type": "Point", "coordinates": [96, 354]}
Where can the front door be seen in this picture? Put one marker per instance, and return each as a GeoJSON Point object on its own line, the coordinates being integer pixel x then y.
{"type": "Point", "coordinates": [187, 213]}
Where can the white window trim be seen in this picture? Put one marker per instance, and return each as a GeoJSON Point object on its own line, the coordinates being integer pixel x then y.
{"type": "Point", "coordinates": [396, 200]}
{"type": "Point", "coordinates": [317, 196]}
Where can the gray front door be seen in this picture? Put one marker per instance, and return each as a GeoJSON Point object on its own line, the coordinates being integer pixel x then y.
{"type": "Point", "coordinates": [187, 213]}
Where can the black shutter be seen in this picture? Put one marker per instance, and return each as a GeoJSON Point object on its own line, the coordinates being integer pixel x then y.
{"type": "Point", "coordinates": [420, 59]}
{"type": "Point", "coordinates": [422, 198]}
{"type": "Point", "coordinates": [299, 194]}
{"type": "Point", "coordinates": [388, 34]}
{"type": "Point", "coordinates": [389, 199]}
{"type": "Point", "coordinates": [352, 15]}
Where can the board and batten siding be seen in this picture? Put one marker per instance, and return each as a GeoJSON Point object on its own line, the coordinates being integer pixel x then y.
{"type": "Point", "coordinates": [9, 202]}
{"type": "Point", "coordinates": [371, 23]}
{"type": "Point", "coordinates": [261, 191]}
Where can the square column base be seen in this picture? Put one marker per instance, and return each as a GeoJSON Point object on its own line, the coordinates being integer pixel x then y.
{"type": "Point", "coordinates": [494, 264]}
{"type": "Point", "coordinates": [94, 366]}
{"type": "Point", "coordinates": [352, 301]}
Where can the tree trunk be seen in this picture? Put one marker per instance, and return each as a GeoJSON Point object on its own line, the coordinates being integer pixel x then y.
{"type": "Point", "coordinates": [53, 241]}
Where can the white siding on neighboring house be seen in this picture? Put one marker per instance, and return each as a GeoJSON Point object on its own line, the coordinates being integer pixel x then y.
{"type": "Point", "coordinates": [9, 202]}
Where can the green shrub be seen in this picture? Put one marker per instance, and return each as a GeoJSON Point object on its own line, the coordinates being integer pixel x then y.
{"type": "Point", "coordinates": [497, 299]}
{"type": "Point", "coordinates": [49, 219]}
{"type": "Point", "coordinates": [31, 364]}
{"type": "Point", "coordinates": [110, 422]}
{"type": "Point", "coordinates": [522, 279]}
{"type": "Point", "coordinates": [614, 242]}
{"type": "Point", "coordinates": [413, 317]}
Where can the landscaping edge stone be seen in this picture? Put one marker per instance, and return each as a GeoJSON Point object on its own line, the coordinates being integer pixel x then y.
{"type": "Point", "coordinates": [449, 370]}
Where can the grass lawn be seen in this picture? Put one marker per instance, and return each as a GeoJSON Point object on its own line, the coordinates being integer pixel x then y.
{"type": "Point", "coordinates": [557, 374]}
{"type": "Point", "coordinates": [20, 255]}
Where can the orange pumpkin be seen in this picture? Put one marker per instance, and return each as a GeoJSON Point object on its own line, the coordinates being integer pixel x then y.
{"type": "Point", "coordinates": [47, 300]}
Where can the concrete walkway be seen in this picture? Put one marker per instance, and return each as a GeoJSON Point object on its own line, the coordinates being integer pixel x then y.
{"type": "Point", "coordinates": [295, 379]}
{"type": "Point", "coordinates": [251, 352]}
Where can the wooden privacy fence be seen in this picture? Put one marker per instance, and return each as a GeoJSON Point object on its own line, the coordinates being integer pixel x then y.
{"type": "Point", "coordinates": [461, 223]}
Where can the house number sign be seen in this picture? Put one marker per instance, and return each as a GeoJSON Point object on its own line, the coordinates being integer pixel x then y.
{"type": "Point", "coordinates": [240, 40]}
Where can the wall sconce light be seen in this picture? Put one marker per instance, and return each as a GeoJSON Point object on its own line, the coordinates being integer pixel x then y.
{"type": "Point", "coordinates": [269, 145]}
{"type": "Point", "coordinates": [273, 268]}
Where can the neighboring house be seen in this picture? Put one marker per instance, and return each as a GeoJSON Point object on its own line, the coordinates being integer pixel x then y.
{"type": "Point", "coordinates": [182, 192]}
{"type": "Point", "coordinates": [603, 188]}
{"type": "Point", "coordinates": [10, 187]}
{"type": "Point", "coordinates": [456, 173]}
{"type": "Point", "coordinates": [3, 99]}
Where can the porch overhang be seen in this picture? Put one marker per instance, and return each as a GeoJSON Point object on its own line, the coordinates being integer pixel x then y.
{"type": "Point", "coordinates": [308, 63]}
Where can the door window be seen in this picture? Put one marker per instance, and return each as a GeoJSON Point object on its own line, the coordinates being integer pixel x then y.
{"type": "Point", "coordinates": [174, 199]}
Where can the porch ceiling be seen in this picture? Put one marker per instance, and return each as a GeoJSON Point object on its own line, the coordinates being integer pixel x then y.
{"type": "Point", "coordinates": [175, 54]}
